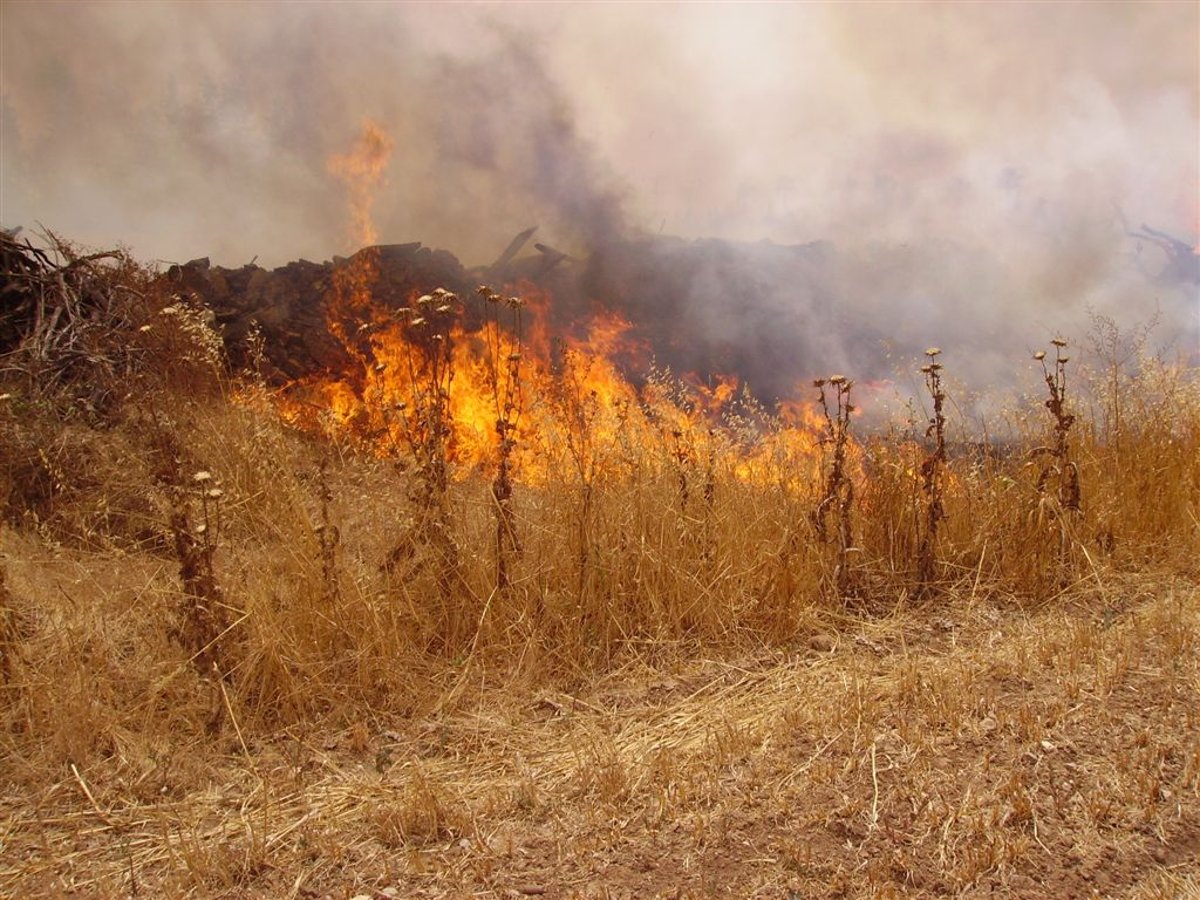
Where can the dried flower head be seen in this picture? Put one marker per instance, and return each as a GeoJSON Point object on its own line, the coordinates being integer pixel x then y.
{"type": "Point", "coordinates": [818, 382]}
{"type": "Point", "coordinates": [202, 476]}
{"type": "Point", "coordinates": [216, 493]}
{"type": "Point", "coordinates": [1040, 355]}
{"type": "Point", "coordinates": [445, 308]}
{"type": "Point", "coordinates": [425, 299]}
{"type": "Point", "coordinates": [933, 351]}
{"type": "Point", "coordinates": [926, 369]}
{"type": "Point", "coordinates": [483, 290]}
{"type": "Point", "coordinates": [837, 379]}
{"type": "Point", "coordinates": [1058, 342]}
{"type": "Point", "coordinates": [418, 321]}
{"type": "Point", "coordinates": [515, 302]}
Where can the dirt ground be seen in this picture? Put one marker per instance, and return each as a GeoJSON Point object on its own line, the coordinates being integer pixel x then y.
{"type": "Point", "coordinates": [969, 748]}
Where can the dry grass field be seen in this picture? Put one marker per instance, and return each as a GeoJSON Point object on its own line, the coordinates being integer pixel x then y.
{"type": "Point", "coordinates": [339, 639]}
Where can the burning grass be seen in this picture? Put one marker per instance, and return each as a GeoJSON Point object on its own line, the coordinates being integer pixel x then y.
{"type": "Point", "coordinates": [496, 618]}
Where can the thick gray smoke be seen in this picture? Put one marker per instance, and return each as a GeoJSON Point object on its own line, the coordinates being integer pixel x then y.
{"type": "Point", "coordinates": [972, 171]}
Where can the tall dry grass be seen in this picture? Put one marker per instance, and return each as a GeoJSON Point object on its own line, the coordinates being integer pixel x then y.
{"type": "Point", "coordinates": [338, 586]}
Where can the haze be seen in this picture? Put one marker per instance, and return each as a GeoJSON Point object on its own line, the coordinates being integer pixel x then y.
{"type": "Point", "coordinates": [984, 161]}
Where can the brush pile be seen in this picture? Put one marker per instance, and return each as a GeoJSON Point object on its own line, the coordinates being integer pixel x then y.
{"type": "Point", "coordinates": [61, 314]}
{"type": "Point", "coordinates": [287, 305]}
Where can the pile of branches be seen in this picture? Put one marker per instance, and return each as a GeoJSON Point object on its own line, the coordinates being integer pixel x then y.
{"type": "Point", "coordinates": [66, 318]}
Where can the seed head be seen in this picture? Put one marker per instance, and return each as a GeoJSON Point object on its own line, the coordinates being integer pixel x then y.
{"type": "Point", "coordinates": [418, 321]}
{"type": "Point", "coordinates": [926, 369]}
{"type": "Point", "coordinates": [202, 476]}
{"type": "Point", "coordinates": [933, 351]}
{"type": "Point", "coordinates": [818, 382]}
{"type": "Point", "coordinates": [1040, 355]}
{"type": "Point", "coordinates": [445, 308]}
{"type": "Point", "coordinates": [515, 302]}
{"type": "Point", "coordinates": [837, 379]}
{"type": "Point", "coordinates": [1058, 342]}
{"type": "Point", "coordinates": [425, 299]}
{"type": "Point", "coordinates": [215, 493]}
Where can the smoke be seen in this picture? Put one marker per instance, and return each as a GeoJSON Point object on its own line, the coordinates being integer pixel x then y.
{"type": "Point", "coordinates": [969, 168]}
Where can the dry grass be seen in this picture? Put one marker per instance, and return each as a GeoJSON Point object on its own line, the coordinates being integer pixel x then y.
{"type": "Point", "coordinates": [670, 685]}
{"type": "Point", "coordinates": [983, 750]}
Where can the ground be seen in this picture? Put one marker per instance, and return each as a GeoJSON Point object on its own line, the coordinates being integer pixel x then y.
{"type": "Point", "coordinates": [968, 747]}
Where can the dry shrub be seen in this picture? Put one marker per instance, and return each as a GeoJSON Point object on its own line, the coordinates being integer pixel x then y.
{"type": "Point", "coordinates": [71, 482]}
{"type": "Point", "coordinates": [91, 345]}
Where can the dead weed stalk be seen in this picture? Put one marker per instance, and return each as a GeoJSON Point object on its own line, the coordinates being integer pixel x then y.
{"type": "Point", "coordinates": [1059, 495]}
{"type": "Point", "coordinates": [502, 343]}
{"type": "Point", "coordinates": [424, 424]}
{"type": "Point", "coordinates": [932, 468]}
{"type": "Point", "coordinates": [837, 489]}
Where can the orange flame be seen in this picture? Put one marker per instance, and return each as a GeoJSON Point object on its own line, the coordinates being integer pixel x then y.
{"type": "Point", "coordinates": [362, 170]}
{"type": "Point", "coordinates": [490, 368]}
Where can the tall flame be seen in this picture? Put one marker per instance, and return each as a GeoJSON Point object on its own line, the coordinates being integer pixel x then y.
{"type": "Point", "coordinates": [466, 363]}
{"type": "Point", "coordinates": [362, 169]}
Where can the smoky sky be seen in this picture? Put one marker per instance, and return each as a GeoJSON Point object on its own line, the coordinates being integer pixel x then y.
{"type": "Point", "coordinates": [976, 166]}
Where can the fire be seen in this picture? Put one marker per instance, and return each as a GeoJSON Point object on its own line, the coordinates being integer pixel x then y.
{"type": "Point", "coordinates": [362, 169]}
{"type": "Point", "coordinates": [578, 409]}
{"type": "Point", "coordinates": [454, 377]}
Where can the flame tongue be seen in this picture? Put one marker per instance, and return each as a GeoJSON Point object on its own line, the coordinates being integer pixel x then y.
{"type": "Point", "coordinates": [362, 170]}
{"type": "Point", "coordinates": [490, 368]}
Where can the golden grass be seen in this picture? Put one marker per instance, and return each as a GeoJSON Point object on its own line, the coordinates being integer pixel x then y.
{"type": "Point", "coordinates": [979, 750]}
{"type": "Point", "coordinates": [674, 684]}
